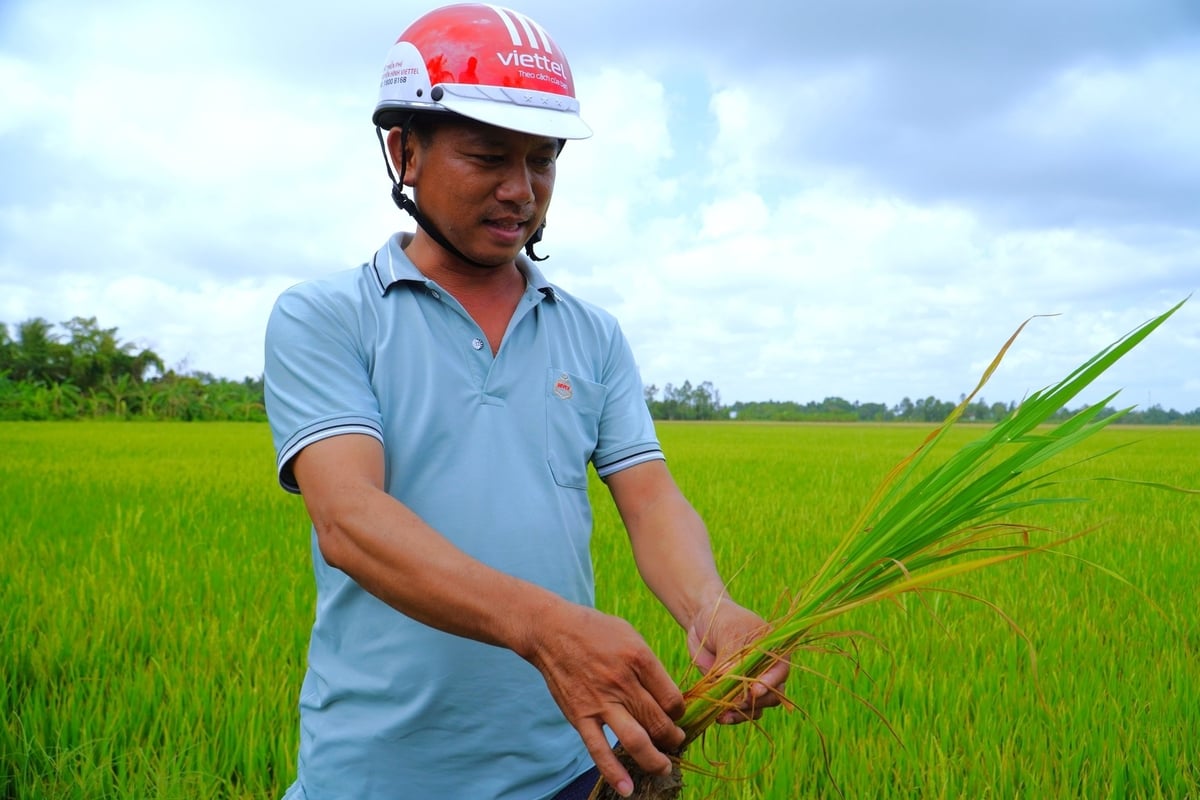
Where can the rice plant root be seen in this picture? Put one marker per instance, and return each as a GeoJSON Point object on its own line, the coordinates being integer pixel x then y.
{"type": "Point", "coordinates": [645, 786]}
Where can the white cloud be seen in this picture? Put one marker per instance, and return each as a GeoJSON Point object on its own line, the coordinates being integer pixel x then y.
{"type": "Point", "coordinates": [1150, 105]}
{"type": "Point", "coordinates": [21, 96]}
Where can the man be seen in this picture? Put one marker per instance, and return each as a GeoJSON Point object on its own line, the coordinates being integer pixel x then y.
{"type": "Point", "coordinates": [437, 408]}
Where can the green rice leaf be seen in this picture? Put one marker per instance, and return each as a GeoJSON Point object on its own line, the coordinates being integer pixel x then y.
{"type": "Point", "coordinates": [922, 526]}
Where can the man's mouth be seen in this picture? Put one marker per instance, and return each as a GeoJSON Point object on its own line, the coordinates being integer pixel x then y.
{"type": "Point", "coordinates": [507, 224]}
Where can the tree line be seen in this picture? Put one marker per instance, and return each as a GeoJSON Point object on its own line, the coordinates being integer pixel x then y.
{"type": "Point", "coordinates": [703, 402]}
{"type": "Point", "coordinates": [80, 370]}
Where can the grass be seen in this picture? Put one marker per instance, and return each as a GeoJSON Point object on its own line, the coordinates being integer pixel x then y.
{"type": "Point", "coordinates": [156, 597]}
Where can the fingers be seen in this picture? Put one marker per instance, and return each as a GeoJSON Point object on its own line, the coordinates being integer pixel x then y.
{"type": "Point", "coordinates": [645, 724]}
{"type": "Point", "coordinates": [605, 759]}
{"type": "Point", "coordinates": [638, 739]}
{"type": "Point", "coordinates": [755, 699]}
{"type": "Point", "coordinates": [635, 740]}
{"type": "Point", "coordinates": [667, 699]}
{"type": "Point", "coordinates": [774, 679]}
{"type": "Point", "coordinates": [763, 693]}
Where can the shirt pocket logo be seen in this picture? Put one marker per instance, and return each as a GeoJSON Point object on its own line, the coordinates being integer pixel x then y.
{"type": "Point", "coordinates": [573, 409]}
{"type": "Point", "coordinates": [562, 387]}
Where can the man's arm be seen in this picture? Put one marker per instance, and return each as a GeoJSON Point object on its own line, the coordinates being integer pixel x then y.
{"type": "Point", "coordinates": [674, 557]}
{"type": "Point", "coordinates": [598, 669]}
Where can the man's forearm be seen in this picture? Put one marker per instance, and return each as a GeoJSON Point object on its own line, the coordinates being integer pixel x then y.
{"type": "Point", "coordinates": [670, 542]}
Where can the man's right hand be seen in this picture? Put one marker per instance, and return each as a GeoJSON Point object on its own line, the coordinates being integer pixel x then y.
{"type": "Point", "coordinates": [601, 672]}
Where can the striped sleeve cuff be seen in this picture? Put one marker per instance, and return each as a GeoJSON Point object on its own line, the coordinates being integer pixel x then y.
{"type": "Point", "coordinates": [627, 459]}
{"type": "Point", "coordinates": [315, 433]}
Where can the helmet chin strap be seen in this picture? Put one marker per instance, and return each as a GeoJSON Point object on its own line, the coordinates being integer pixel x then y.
{"type": "Point", "coordinates": [405, 203]}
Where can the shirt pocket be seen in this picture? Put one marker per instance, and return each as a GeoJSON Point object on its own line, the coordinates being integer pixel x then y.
{"type": "Point", "coordinates": [573, 408]}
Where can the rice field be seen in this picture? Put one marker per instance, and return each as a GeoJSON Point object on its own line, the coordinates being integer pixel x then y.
{"type": "Point", "coordinates": [155, 599]}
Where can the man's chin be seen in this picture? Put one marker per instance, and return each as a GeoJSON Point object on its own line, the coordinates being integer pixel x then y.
{"type": "Point", "coordinates": [495, 257]}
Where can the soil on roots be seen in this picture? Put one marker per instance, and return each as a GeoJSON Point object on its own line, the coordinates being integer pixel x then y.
{"type": "Point", "coordinates": [645, 786]}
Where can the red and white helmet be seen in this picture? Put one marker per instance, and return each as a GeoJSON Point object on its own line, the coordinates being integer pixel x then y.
{"type": "Point", "coordinates": [485, 62]}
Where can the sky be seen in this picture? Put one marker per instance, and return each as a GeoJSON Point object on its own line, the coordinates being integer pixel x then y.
{"type": "Point", "coordinates": [861, 199]}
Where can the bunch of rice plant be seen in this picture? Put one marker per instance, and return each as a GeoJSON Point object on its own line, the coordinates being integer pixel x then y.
{"type": "Point", "coordinates": [915, 532]}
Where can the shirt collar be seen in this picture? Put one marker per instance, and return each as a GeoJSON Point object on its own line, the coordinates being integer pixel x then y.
{"type": "Point", "coordinates": [392, 265]}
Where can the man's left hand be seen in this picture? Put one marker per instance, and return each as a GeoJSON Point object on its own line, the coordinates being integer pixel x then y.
{"type": "Point", "coordinates": [715, 637]}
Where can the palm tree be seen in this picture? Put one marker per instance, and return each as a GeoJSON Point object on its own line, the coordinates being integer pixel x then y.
{"type": "Point", "coordinates": [119, 389]}
{"type": "Point", "coordinates": [38, 355]}
{"type": "Point", "coordinates": [64, 400]}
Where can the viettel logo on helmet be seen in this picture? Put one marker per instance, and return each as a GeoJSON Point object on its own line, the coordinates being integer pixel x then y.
{"type": "Point", "coordinates": [483, 62]}
{"type": "Point", "coordinates": [490, 46]}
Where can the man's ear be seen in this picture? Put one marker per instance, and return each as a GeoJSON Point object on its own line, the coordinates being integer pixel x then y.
{"type": "Point", "coordinates": [395, 147]}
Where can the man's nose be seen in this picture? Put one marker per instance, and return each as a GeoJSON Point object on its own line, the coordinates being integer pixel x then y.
{"type": "Point", "coordinates": [516, 186]}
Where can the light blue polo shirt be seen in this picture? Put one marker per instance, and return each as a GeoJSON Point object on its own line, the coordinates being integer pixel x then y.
{"type": "Point", "coordinates": [490, 451]}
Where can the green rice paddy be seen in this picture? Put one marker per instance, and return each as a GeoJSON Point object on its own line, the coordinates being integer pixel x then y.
{"type": "Point", "coordinates": [155, 600]}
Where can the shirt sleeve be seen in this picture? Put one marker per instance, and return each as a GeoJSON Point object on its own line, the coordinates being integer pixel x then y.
{"type": "Point", "coordinates": [627, 436]}
{"type": "Point", "coordinates": [317, 374]}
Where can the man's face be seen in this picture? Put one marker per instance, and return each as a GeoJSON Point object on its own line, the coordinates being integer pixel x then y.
{"type": "Point", "coordinates": [486, 188]}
